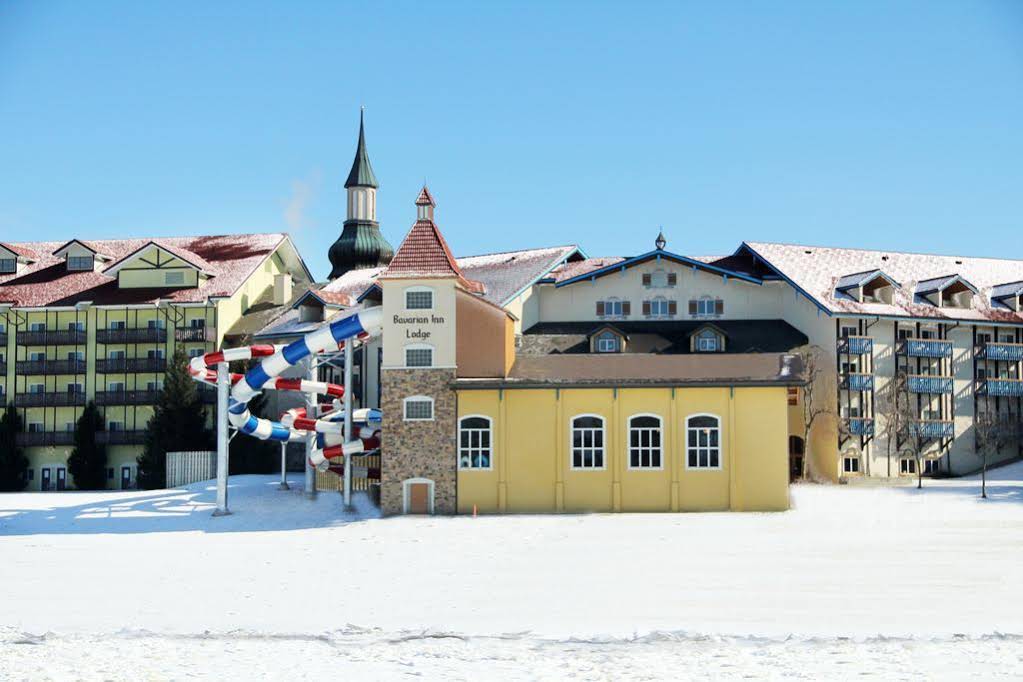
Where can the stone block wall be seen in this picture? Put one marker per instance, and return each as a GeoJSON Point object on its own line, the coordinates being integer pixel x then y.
{"type": "Point", "coordinates": [418, 449]}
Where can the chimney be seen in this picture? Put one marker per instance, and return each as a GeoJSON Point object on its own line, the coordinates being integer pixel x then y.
{"type": "Point", "coordinates": [282, 289]}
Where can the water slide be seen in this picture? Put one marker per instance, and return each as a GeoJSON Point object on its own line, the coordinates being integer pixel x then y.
{"type": "Point", "coordinates": [294, 425]}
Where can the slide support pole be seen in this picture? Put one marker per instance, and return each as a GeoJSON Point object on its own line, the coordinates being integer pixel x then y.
{"type": "Point", "coordinates": [284, 467]}
{"type": "Point", "coordinates": [349, 355]}
{"type": "Point", "coordinates": [223, 388]}
{"type": "Point", "coordinates": [310, 443]}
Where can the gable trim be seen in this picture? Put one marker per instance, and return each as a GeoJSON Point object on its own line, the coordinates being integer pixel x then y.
{"type": "Point", "coordinates": [658, 254]}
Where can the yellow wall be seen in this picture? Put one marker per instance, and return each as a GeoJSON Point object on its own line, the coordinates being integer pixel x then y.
{"type": "Point", "coordinates": [531, 463]}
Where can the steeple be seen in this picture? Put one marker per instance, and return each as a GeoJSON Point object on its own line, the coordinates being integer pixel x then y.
{"type": "Point", "coordinates": [360, 245]}
{"type": "Point", "coordinates": [425, 205]}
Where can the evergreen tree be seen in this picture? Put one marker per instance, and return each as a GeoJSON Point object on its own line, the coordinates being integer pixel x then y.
{"type": "Point", "coordinates": [88, 460]}
{"type": "Point", "coordinates": [178, 424]}
{"type": "Point", "coordinates": [13, 462]}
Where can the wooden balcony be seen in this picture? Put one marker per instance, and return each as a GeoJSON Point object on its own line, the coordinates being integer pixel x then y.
{"type": "Point", "coordinates": [144, 335]}
{"type": "Point", "coordinates": [36, 367]}
{"type": "Point", "coordinates": [52, 337]}
{"type": "Point", "coordinates": [196, 334]}
{"type": "Point", "coordinates": [50, 399]}
{"type": "Point", "coordinates": [932, 428]}
{"type": "Point", "coordinates": [45, 438]}
{"type": "Point", "coordinates": [1010, 388]}
{"type": "Point", "coordinates": [127, 397]}
{"type": "Point", "coordinates": [926, 383]}
{"type": "Point", "coordinates": [860, 426]}
{"type": "Point", "coordinates": [1002, 352]}
{"type": "Point", "coordinates": [121, 437]}
{"type": "Point", "coordinates": [925, 348]}
{"type": "Point", "coordinates": [855, 345]}
{"type": "Point", "coordinates": [858, 382]}
{"type": "Point", "coordinates": [130, 365]}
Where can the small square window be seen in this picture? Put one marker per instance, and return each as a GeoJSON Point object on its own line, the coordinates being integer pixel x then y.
{"type": "Point", "coordinates": [172, 278]}
{"type": "Point", "coordinates": [418, 357]}
{"type": "Point", "coordinates": [418, 409]}
{"type": "Point", "coordinates": [418, 299]}
{"type": "Point", "coordinates": [851, 465]}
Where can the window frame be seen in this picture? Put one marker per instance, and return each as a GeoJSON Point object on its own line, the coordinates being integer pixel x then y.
{"type": "Point", "coordinates": [417, 398]}
{"type": "Point", "coordinates": [603, 443]}
{"type": "Point", "coordinates": [628, 442]}
{"type": "Point", "coordinates": [705, 335]}
{"type": "Point", "coordinates": [720, 446]}
{"type": "Point", "coordinates": [603, 336]}
{"type": "Point", "coordinates": [6, 269]}
{"type": "Point", "coordinates": [418, 289]}
{"type": "Point", "coordinates": [418, 347]}
{"type": "Point", "coordinates": [851, 458]}
{"type": "Point", "coordinates": [490, 448]}
{"type": "Point", "coordinates": [81, 263]}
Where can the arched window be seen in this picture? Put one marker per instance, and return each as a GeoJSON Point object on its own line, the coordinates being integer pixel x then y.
{"type": "Point", "coordinates": [703, 442]}
{"type": "Point", "coordinates": [474, 442]}
{"type": "Point", "coordinates": [587, 442]}
{"type": "Point", "coordinates": [645, 442]}
{"type": "Point", "coordinates": [608, 342]}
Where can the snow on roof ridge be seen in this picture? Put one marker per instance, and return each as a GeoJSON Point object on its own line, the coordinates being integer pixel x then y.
{"type": "Point", "coordinates": [881, 251]}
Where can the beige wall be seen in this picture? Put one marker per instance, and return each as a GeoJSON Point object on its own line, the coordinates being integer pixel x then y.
{"type": "Point", "coordinates": [436, 327]}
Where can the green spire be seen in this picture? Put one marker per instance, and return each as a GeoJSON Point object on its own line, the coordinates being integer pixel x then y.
{"type": "Point", "coordinates": [361, 174]}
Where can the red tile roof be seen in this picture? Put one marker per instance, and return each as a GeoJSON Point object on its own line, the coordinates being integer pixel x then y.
{"type": "Point", "coordinates": [229, 259]}
{"type": "Point", "coordinates": [19, 250]}
{"type": "Point", "coordinates": [424, 253]}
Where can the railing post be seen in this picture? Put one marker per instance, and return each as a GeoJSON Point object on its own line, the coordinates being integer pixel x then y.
{"type": "Point", "coordinates": [223, 387]}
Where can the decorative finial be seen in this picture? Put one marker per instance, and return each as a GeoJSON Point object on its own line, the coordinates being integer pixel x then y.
{"type": "Point", "coordinates": [660, 242]}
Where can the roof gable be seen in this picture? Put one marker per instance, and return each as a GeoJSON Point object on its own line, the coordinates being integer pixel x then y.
{"type": "Point", "coordinates": [424, 253]}
{"type": "Point", "coordinates": [88, 246]}
{"type": "Point", "coordinates": [658, 254]}
{"type": "Point", "coordinates": [166, 256]}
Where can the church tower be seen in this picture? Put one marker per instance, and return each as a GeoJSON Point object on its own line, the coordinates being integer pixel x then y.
{"type": "Point", "coordinates": [360, 245]}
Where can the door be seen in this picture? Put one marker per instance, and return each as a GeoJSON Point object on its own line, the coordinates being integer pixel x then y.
{"type": "Point", "coordinates": [44, 478]}
{"type": "Point", "coordinates": [418, 498]}
{"type": "Point", "coordinates": [61, 478]}
{"type": "Point", "coordinates": [125, 478]}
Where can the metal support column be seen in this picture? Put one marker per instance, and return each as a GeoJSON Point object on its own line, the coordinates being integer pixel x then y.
{"type": "Point", "coordinates": [310, 443]}
{"type": "Point", "coordinates": [223, 388]}
{"type": "Point", "coordinates": [349, 355]}
{"type": "Point", "coordinates": [284, 467]}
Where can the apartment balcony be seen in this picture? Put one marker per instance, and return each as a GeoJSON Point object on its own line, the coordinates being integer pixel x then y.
{"type": "Point", "coordinates": [36, 367]}
{"type": "Point", "coordinates": [45, 438]}
{"type": "Point", "coordinates": [1009, 388]}
{"type": "Point", "coordinates": [926, 348]}
{"type": "Point", "coordinates": [860, 426]}
{"type": "Point", "coordinates": [121, 437]}
{"type": "Point", "coordinates": [1006, 352]}
{"type": "Point", "coordinates": [52, 337]}
{"type": "Point", "coordinates": [3, 368]}
{"type": "Point", "coordinates": [144, 335]}
{"type": "Point", "coordinates": [856, 345]}
{"type": "Point", "coordinates": [3, 339]}
{"type": "Point", "coordinates": [50, 399]}
{"type": "Point", "coordinates": [858, 382]}
{"type": "Point", "coordinates": [130, 365]}
{"type": "Point", "coordinates": [127, 397]}
{"type": "Point", "coordinates": [932, 428]}
{"type": "Point", "coordinates": [197, 334]}
{"type": "Point", "coordinates": [923, 383]}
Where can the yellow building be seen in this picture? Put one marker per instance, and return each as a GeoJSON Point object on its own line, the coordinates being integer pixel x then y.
{"type": "Point", "coordinates": [97, 320]}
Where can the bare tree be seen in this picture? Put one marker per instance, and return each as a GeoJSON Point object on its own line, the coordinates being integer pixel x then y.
{"type": "Point", "coordinates": [900, 421]}
{"type": "Point", "coordinates": [816, 398]}
{"type": "Point", "coordinates": [991, 434]}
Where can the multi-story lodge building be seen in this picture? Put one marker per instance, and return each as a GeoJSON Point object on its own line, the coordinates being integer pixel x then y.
{"type": "Point", "coordinates": [98, 320]}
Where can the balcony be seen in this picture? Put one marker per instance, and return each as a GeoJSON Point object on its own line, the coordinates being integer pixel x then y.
{"type": "Point", "coordinates": [860, 426]}
{"type": "Point", "coordinates": [858, 382]}
{"type": "Point", "coordinates": [52, 337]}
{"type": "Point", "coordinates": [855, 345]}
{"type": "Point", "coordinates": [3, 368]}
{"type": "Point", "coordinates": [1010, 388]}
{"type": "Point", "coordinates": [35, 367]}
{"type": "Point", "coordinates": [130, 365]}
{"type": "Point", "coordinates": [3, 339]}
{"type": "Point", "coordinates": [145, 335]}
{"type": "Point", "coordinates": [43, 438]}
{"type": "Point", "coordinates": [932, 428]}
{"type": "Point", "coordinates": [1006, 352]}
{"type": "Point", "coordinates": [921, 383]}
{"type": "Point", "coordinates": [926, 348]}
{"type": "Point", "coordinates": [127, 397]}
{"type": "Point", "coordinates": [121, 437]}
{"type": "Point", "coordinates": [50, 399]}
{"type": "Point", "coordinates": [197, 334]}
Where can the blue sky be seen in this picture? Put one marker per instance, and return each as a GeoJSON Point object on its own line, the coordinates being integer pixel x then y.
{"type": "Point", "coordinates": [894, 125]}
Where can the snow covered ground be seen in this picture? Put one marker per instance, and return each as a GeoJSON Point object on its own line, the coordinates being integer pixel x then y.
{"type": "Point", "coordinates": [854, 580]}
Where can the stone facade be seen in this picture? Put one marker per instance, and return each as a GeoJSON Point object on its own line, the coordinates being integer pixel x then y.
{"type": "Point", "coordinates": [418, 449]}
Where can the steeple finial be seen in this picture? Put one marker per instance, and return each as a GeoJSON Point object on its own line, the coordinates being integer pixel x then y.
{"type": "Point", "coordinates": [425, 205]}
{"type": "Point", "coordinates": [361, 174]}
{"type": "Point", "coordinates": [660, 242]}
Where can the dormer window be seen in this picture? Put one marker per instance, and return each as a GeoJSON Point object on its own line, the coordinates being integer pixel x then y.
{"type": "Point", "coordinates": [608, 342]}
{"type": "Point", "coordinates": [310, 313]}
{"type": "Point", "coordinates": [950, 291]}
{"type": "Point", "coordinates": [81, 263]}
{"type": "Point", "coordinates": [708, 339]}
{"type": "Point", "coordinates": [872, 286]}
{"type": "Point", "coordinates": [8, 266]}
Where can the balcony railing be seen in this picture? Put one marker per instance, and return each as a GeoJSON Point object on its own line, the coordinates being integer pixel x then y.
{"type": "Point", "coordinates": [121, 437]}
{"type": "Point", "coordinates": [50, 367]}
{"type": "Point", "coordinates": [858, 382]}
{"type": "Point", "coordinates": [127, 397]}
{"type": "Point", "coordinates": [3, 339]}
{"type": "Point", "coordinates": [50, 399]}
{"type": "Point", "coordinates": [921, 383]}
{"type": "Point", "coordinates": [122, 365]}
{"type": "Point", "coordinates": [202, 334]}
{"type": "Point", "coordinates": [855, 345]}
{"type": "Point", "coordinates": [932, 428]}
{"type": "Point", "coordinates": [1008, 352]}
{"type": "Point", "coordinates": [52, 337]}
{"type": "Point", "coordinates": [860, 426]}
{"type": "Point", "coordinates": [41, 438]}
{"type": "Point", "coordinates": [1012, 388]}
{"type": "Point", "coordinates": [926, 348]}
{"type": "Point", "coordinates": [145, 335]}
